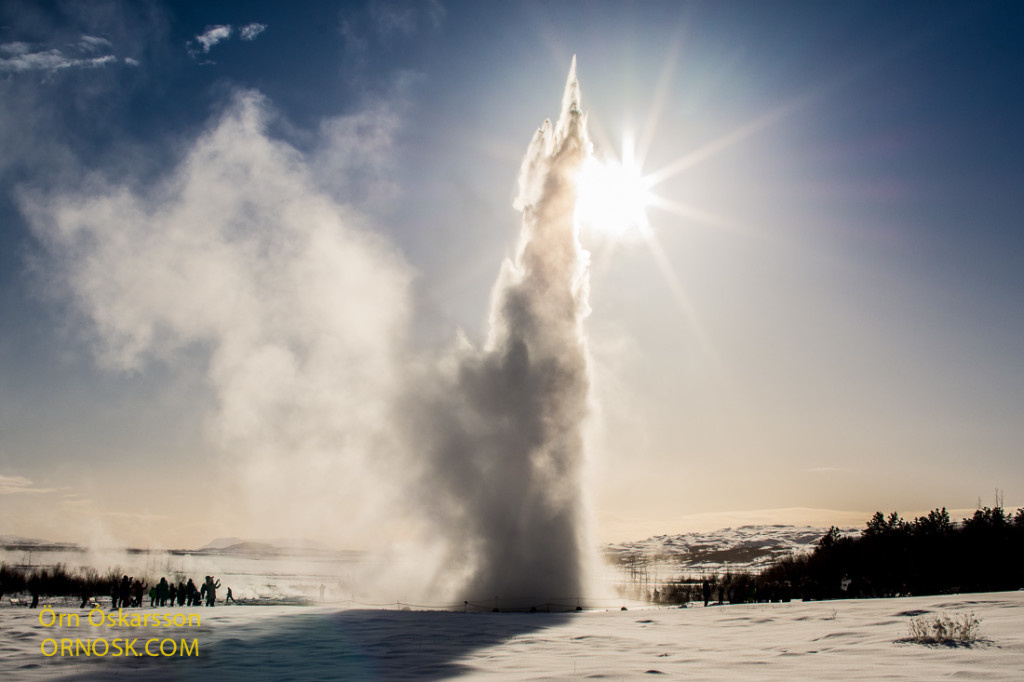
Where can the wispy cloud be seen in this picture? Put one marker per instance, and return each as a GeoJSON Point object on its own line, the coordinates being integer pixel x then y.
{"type": "Point", "coordinates": [214, 35]}
{"type": "Point", "coordinates": [17, 57]}
{"type": "Point", "coordinates": [94, 44]}
{"type": "Point", "coordinates": [383, 22]}
{"type": "Point", "coordinates": [405, 18]}
{"type": "Point", "coordinates": [822, 470]}
{"type": "Point", "coordinates": [16, 485]}
{"type": "Point", "coordinates": [251, 31]}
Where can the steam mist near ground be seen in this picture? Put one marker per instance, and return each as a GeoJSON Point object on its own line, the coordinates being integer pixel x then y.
{"type": "Point", "coordinates": [239, 261]}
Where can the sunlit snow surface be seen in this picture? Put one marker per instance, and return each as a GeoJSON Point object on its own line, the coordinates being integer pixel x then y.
{"type": "Point", "coordinates": [855, 639]}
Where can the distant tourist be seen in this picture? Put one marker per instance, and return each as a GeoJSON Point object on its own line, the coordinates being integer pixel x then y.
{"type": "Point", "coordinates": [211, 590]}
{"type": "Point", "coordinates": [161, 592]}
{"type": "Point", "coordinates": [230, 597]}
{"type": "Point", "coordinates": [137, 590]}
{"type": "Point", "coordinates": [124, 593]}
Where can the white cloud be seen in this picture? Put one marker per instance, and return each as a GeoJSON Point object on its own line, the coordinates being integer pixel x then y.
{"type": "Point", "coordinates": [213, 35]}
{"type": "Point", "coordinates": [251, 31]}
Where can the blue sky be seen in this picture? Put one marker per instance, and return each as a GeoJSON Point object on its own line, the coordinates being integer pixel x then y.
{"type": "Point", "coordinates": [830, 318]}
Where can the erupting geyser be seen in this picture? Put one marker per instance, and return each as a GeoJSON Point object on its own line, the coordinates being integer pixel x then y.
{"type": "Point", "coordinates": [505, 433]}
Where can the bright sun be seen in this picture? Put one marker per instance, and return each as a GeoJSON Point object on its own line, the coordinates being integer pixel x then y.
{"type": "Point", "coordinates": [613, 199]}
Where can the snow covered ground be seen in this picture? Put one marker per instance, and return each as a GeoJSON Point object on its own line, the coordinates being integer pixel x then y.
{"type": "Point", "coordinates": [855, 639]}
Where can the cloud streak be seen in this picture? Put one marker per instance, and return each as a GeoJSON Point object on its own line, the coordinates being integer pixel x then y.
{"type": "Point", "coordinates": [19, 485]}
{"type": "Point", "coordinates": [18, 57]}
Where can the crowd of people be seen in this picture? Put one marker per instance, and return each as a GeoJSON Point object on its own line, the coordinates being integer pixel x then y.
{"type": "Point", "coordinates": [129, 592]}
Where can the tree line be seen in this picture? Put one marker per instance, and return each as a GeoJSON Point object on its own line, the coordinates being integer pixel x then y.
{"type": "Point", "coordinates": [891, 557]}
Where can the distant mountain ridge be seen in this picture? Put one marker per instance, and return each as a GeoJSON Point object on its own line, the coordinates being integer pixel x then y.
{"type": "Point", "coordinates": [741, 547]}
{"type": "Point", "coordinates": [18, 541]}
{"type": "Point", "coordinates": [277, 547]}
{"type": "Point", "coordinates": [279, 543]}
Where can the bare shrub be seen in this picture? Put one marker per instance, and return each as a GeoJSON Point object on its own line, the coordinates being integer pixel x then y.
{"type": "Point", "coordinates": [958, 629]}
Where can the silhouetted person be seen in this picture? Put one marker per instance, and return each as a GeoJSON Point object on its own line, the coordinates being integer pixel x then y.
{"type": "Point", "coordinates": [705, 588]}
{"type": "Point", "coordinates": [114, 591]}
{"type": "Point", "coordinates": [152, 597]}
{"type": "Point", "coordinates": [124, 593]}
{"type": "Point", "coordinates": [211, 590]}
{"type": "Point", "coordinates": [230, 597]}
{"type": "Point", "coordinates": [193, 593]}
{"type": "Point", "coordinates": [137, 589]}
{"type": "Point", "coordinates": [182, 593]}
{"type": "Point", "coordinates": [171, 594]}
{"type": "Point", "coordinates": [161, 592]}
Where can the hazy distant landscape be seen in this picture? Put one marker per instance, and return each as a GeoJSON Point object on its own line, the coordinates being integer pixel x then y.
{"type": "Point", "coordinates": [283, 568]}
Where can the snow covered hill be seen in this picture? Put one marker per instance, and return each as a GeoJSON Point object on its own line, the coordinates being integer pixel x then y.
{"type": "Point", "coordinates": [742, 547]}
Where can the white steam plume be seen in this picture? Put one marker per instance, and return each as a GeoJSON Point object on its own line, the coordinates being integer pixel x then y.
{"type": "Point", "coordinates": [238, 262]}
{"type": "Point", "coordinates": [503, 436]}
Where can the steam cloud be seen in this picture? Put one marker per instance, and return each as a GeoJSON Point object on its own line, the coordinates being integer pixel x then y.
{"type": "Point", "coordinates": [239, 262]}
{"type": "Point", "coordinates": [504, 438]}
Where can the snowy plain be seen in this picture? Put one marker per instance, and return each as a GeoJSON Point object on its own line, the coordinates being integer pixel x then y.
{"type": "Point", "coordinates": [836, 640]}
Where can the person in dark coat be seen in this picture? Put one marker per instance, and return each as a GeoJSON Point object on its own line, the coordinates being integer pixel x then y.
{"type": "Point", "coordinates": [211, 590]}
{"type": "Point", "coordinates": [124, 593]}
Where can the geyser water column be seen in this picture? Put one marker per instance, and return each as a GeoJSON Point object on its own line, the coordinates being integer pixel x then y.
{"type": "Point", "coordinates": [505, 434]}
